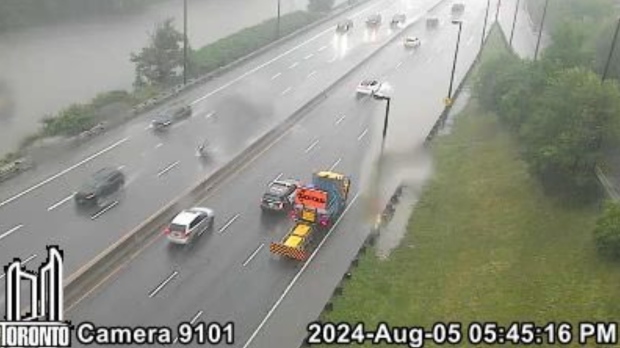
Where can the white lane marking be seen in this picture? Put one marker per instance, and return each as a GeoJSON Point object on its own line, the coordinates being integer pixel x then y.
{"type": "Point", "coordinates": [23, 263]}
{"type": "Point", "coordinates": [276, 76]}
{"type": "Point", "coordinates": [230, 221]}
{"type": "Point", "coordinates": [249, 259]}
{"type": "Point", "coordinates": [9, 232]}
{"type": "Point", "coordinates": [311, 74]}
{"type": "Point", "coordinates": [341, 119]}
{"type": "Point", "coordinates": [362, 135]}
{"type": "Point", "coordinates": [104, 210]}
{"type": "Point", "coordinates": [278, 177]}
{"type": "Point", "coordinates": [168, 168]}
{"type": "Point", "coordinates": [209, 115]}
{"type": "Point", "coordinates": [298, 275]}
{"type": "Point", "coordinates": [159, 145]}
{"type": "Point", "coordinates": [121, 167]}
{"type": "Point", "coordinates": [322, 48]}
{"type": "Point", "coordinates": [335, 164]}
{"type": "Point", "coordinates": [164, 283]}
{"type": "Point", "coordinates": [293, 65]}
{"type": "Point", "coordinates": [469, 42]}
{"type": "Point", "coordinates": [308, 56]}
{"type": "Point", "coordinates": [196, 317]}
{"type": "Point", "coordinates": [309, 148]}
{"type": "Point", "coordinates": [288, 89]}
{"type": "Point", "coordinates": [148, 127]}
{"type": "Point", "coordinates": [333, 59]}
{"type": "Point", "coordinates": [398, 65]}
{"type": "Point", "coordinates": [249, 72]}
{"type": "Point", "coordinates": [61, 202]}
{"type": "Point", "coordinates": [63, 172]}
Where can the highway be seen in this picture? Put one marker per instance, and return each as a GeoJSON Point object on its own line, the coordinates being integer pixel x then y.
{"type": "Point", "coordinates": [36, 208]}
{"type": "Point", "coordinates": [229, 275]}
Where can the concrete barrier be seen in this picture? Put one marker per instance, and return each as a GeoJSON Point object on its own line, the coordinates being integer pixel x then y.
{"type": "Point", "coordinates": [81, 283]}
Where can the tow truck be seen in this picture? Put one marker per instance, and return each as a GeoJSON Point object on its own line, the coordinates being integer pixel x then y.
{"type": "Point", "coordinates": [317, 207]}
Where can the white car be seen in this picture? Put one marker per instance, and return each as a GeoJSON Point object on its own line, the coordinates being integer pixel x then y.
{"type": "Point", "coordinates": [368, 87]}
{"type": "Point", "coordinates": [412, 42]}
{"type": "Point", "coordinates": [189, 224]}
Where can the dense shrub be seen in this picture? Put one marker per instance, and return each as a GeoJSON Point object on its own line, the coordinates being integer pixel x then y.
{"type": "Point", "coordinates": [70, 121]}
{"type": "Point", "coordinates": [607, 231]}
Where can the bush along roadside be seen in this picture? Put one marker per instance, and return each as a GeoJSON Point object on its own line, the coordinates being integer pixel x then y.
{"type": "Point", "coordinates": [81, 121]}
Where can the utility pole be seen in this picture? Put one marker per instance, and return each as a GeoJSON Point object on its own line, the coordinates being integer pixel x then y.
{"type": "Point", "coordinates": [611, 51]}
{"type": "Point", "coordinates": [456, 54]}
{"type": "Point", "coordinates": [514, 23]}
{"type": "Point", "coordinates": [184, 42]}
{"type": "Point", "coordinates": [542, 26]}
{"type": "Point", "coordinates": [278, 22]}
{"type": "Point", "coordinates": [484, 28]}
{"type": "Point", "coordinates": [499, 4]}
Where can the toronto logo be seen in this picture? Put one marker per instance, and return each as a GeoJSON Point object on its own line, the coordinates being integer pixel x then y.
{"type": "Point", "coordinates": [41, 323]}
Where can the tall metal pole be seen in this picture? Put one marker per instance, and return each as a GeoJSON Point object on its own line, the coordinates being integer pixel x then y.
{"type": "Point", "coordinates": [542, 26]}
{"type": "Point", "coordinates": [484, 28]}
{"type": "Point", "coordinates": [278, 22]}
{"type": "Point", "coordinates": [499, 4]}
{"type": "Point", "coordinates": [611, 51]}
{"type": "Point", "coordinates": [184, 42]}
{"type": "Point", "coordinates": [514, 23]}
{"type": "Point", "coordinates": [456, 54]}
{"type": "Point", "coordinates": [385, 123]}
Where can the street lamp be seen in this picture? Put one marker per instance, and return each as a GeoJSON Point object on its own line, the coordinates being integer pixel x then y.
{"type": "Point", "coordinates": [184, 42]}
{"type": "Point", "coordinates": [385, 119]}
{"type": "Point", "coordinates": [484, 28]}
{"type": "Point", "coordinates": [456, 54]}
{"type": "Point", "coordinates": [514, 23]}
{"type": "Point", "coordinates": [542, 25]}
{"type": "Point", "coordinates": [611, 51]}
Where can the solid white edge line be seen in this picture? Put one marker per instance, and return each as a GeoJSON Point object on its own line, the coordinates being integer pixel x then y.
{"type": "Point", "coordinates": [162, 284]}
{"type": "Point", "coordinates": [23, 263]}
{"type": "Point", "coordinates": [253, 255]}
{"type": "Point", "coordinates": [168, 168]}
{"type": "Point", "coordinates": [11, 231]}
{"type": "Point", "coordinates": [298, 275]}
{"type": "Point", "coordinates": [61, 202]}
{"type": "Point", "coordinates": [230, 221]}
{"type": "Point", "coordinates": [312, 146]}
{"type": "Point", "coordinates": [63, 172]}
{"type": "Point", "coordinates": [104, 210]}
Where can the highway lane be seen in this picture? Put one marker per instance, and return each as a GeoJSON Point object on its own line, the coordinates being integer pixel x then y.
{"type": "Point", "coordinates": [212, 277]}
{"type": "Point", "coordinates": [45, 213]}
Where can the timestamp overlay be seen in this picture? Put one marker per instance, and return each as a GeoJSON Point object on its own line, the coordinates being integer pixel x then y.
{"type": "Point", "coordinates": [454, 333]}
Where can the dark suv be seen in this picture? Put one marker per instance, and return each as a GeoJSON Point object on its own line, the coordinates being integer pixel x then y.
{"type": "Point", "coordinates": [280, 195]}
{"type": "Point", "coordinates": [101, 184]}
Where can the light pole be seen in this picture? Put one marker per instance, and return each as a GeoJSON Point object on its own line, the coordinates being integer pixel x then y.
{"type": "Point", "coordinates": [499, 4]}
{"type": "Point", "coordinates": [278, 22]}
{"type": "Point", "coordinates": [514, 23]}
{"type": "Point", "coordinates": [542, 25]}
{"type": "Point", "coordinates": [611, 51]}
{"type": "Point", "coordinates": [184, 42]}
{"type": "Point", "coordinates": [484, 27]}
{"type": "Point", "coordinates": [386, 118]}
{"type": "Point", "coordinates": [456, 54]}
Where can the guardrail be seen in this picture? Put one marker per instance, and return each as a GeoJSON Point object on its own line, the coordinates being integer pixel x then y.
{"type": "Point", "coordinates": [85, 280]}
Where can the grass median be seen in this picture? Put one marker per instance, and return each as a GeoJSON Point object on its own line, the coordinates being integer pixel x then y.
{"type": "Point", "coordinates": [484, 244]}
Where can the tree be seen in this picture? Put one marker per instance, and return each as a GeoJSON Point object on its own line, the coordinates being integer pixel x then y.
{"type": "Point", "coordinates": [568, 48]}
{"type": "Point", "coordinates": [320, 5]}
{"type": "Point", "coordinates": [563, 136]}
{"type": "Point", "coordinates": [161, 62]}
{"type": "Point", "coordinates": [607, 231]}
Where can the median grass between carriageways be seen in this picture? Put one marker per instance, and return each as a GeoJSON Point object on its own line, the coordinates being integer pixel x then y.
{"type": "Point", "coordinates": [484, 244]}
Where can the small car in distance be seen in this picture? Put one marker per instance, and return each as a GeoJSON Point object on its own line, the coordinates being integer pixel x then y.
{"type": "Point", "coordinates": [162, 121]}
{"type": "Point", "coordinates": [181, 112]}
{"type": "Point", "coordinates": [368, 87]}
{"type": "Point", "coordinates": [432, 22]}
{"type": "Point", "coordinates": [344, 26]}
{"type": "Point", "coordinates": [412, 42]}
{"type": "Point", "coordinates": [374, 20]}
{"type": "Point", "coordinates": [398, 19]}
{"type": "Point", "coordinates": [189, 224]}
{"type": "Point", "coordinates": [279, 196]}
{"type": "Point", "coordinates": [101, 184]}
